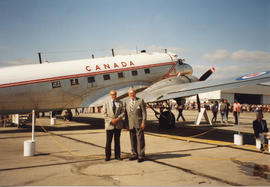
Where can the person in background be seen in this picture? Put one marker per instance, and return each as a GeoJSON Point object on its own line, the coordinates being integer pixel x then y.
{"type": "Point", "coordinates": [222, 109]}
{"type": "Point", "coordinates": [228, 109]}
{"type": "Point", "coordinates": [236, 111]}
{"type": "Point", "coordinates": [215, 111]}
{"type": "Point", "coordinates": [180, 109]}
{"type": "Point", "coordinates": [260, 128]}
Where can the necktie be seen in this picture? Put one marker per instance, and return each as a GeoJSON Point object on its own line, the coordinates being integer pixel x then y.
{"type": "Point", "coordinates": [113, 107]}
{"type": "Point", "coordinates": [132, 105]}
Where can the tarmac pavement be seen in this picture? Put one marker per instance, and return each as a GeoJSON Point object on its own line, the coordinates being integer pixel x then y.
{"type": "Point", "coordinates": [72, 153]}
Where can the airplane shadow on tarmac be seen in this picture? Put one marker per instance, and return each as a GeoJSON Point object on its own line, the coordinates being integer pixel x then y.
{"type": "Point", "coordinates": [87, 124]}
{"type": "Point", "coordinates": [188, 129]}
{"type": "Point", "coordinates": [183, 129]}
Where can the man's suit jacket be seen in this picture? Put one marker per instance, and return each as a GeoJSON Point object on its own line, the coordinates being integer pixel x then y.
{"type": "Point", "coordinates": [257, 127]}
{"type": "Point", "coordinates": [109, 115]}
{"type": "Point", "coordinates": [138, 115]}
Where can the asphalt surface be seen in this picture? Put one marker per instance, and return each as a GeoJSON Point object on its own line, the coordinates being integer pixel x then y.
{"type": "Point", "coordinates": [72, 153]}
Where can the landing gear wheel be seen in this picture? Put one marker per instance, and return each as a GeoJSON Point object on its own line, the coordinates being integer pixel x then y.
{"type": "Point", "coordinates": [69, 115]}
{"type": "Point", "coordinates": [166, 120]}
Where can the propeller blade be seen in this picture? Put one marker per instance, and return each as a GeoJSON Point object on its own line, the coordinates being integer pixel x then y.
{"type": "Point", "coordinates": [207, 74]}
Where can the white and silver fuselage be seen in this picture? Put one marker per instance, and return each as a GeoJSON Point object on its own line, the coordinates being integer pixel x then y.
{"type": "Point", "coordinates": [79, 83]}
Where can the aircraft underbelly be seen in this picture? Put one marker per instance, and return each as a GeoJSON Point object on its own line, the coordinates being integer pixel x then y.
{"type": "Point", "coordinates": [37, 96]}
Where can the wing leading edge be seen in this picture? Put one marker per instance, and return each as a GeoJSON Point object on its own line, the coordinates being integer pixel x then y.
{"type": "Point", "coordinates": [193, 88]}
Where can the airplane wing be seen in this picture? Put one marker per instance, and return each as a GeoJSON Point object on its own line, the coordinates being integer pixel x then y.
{"type": "Point", "coordinates": [100, 96]}
{"type": "Point", "coordinates": [172, 91]}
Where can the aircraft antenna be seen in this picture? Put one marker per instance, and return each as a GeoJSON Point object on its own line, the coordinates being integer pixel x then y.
{"type": "Point", "coordinates": [112, 52]}
{"type": "Point", "coordinates": [165, 50]}
{"type": "Point", "coordinates": [39, 56]}
{"type": "Point", "coordinates": [93, 56]}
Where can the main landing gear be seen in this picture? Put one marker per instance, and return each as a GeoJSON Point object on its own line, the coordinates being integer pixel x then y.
{"type": "Point", "coordinates": [166, 120]}
{"type": "Point", "coordinates": [165, 117]}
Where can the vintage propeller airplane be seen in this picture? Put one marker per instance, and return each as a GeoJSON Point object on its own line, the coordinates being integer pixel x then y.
{"type": "Point", "coordinates": [81, 83]}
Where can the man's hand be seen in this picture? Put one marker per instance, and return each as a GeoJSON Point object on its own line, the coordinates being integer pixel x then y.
{"type": "Point", "coordinates": [127, 127]}
{"type": "Point", "coordinates": [114, 121]}
{"type": "Point", "coordinates": [267, 135]}
{"type": "Point", "coordinates": [143, 126]}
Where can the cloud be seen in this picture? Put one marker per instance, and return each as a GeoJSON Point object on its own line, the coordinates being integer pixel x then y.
{"type": "Point", "coordinates": [20, 61]}
{"type": "Point", "coordinates": [123, 50]}
{"type": "Point", "coordinates": [251, 56]}
{"type": "Point", "coordinates": [218, 55]}
{"type": "Point", "coordinates": [4, 48]}
{"type": "Point", "coordinates": [176, 50]}
{"type": "Point", "coordinates": [239, 56]}
{"type": "Point", "coordinates": [223, 72]}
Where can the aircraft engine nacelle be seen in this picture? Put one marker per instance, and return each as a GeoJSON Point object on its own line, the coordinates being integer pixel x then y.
{"type": "Point", "coordinates": [173, 81]}
{"type": "Point", "coordinates": [180, 100]}
{"type": "Point", "coordinates": [156, 88]}
{"type": "Point", "coordinates": [184, 69]}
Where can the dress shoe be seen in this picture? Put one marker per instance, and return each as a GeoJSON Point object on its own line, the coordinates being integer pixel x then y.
{"type": "Point", "coordinates": [107, 159]}
{"type": "Point", "coordinates": [140, 160]}
{"type": "Point", "coordinates": [133, 158]}
{"type": "Point", "coordinates": [118, 158]}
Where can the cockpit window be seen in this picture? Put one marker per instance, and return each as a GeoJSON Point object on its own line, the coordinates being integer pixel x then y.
{"type": "Point", "coordinates": [181, 61]}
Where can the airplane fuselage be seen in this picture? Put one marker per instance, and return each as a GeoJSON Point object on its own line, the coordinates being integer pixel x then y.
{"type": "Point", "coordinates": [80, 83]}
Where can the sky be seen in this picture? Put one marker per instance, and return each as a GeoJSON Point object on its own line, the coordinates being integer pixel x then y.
{"type": "Point", "coordinates": [231, 35]}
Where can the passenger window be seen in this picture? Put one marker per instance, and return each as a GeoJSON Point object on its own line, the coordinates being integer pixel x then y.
{"type": "Point", "coordinates": [146, 71]}
{"type": "Point", "coordinates": [74, 82]}
{"type": "Point", "coordinates": [134, 73]}
{"type": "Point", "coordinates": [56, 84]}
{"type": "Point", "coordinates": [120, 75]}
{"type": "Point", "coordinates": [91, 79]}
{"type": "Point", "coordinates": [106, 77]}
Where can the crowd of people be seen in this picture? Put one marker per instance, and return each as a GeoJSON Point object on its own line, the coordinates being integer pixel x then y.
{"type": "Point", "coordinates": [244, 107]}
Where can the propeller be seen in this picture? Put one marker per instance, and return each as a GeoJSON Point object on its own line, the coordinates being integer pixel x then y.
{"type": "Point", "coordinates": [207, 74]}
{"type": "Point", "coordinates": [203, 78]}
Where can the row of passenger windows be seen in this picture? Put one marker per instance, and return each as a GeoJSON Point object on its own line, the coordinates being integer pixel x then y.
{"type": "Point", "coordinates": [120, 75]}
{"type": "Point", "coordinates": [57, 84]}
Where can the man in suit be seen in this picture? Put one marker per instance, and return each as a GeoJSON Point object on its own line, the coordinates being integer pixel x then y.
{"type": "Point", "coordinates": [260, 128]}
{"type": "Point", "coordinates": [136, 117]}
{"type": "Point", "coordinates": [113, 111]}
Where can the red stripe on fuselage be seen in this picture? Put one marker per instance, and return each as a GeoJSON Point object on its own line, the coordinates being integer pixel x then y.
{"type": "Point", "coordinates": [81, 75]}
